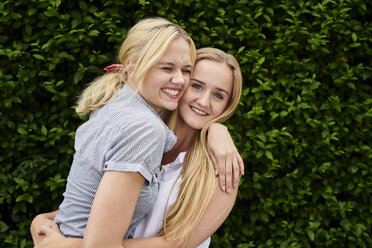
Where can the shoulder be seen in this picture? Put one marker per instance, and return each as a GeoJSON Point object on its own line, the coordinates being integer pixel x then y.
{"type": "Point", "coordinates": [123, 114]}
{"type": "Point", "coordinates": [148, 134]}
{"type": "Point", "coordinates": [147, 126]}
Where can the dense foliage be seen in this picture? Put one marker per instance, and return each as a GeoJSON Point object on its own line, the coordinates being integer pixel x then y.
{"type": "Point", "coordinates": [303, 124]}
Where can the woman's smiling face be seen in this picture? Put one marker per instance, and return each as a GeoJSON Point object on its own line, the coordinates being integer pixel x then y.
{"type": "Point", "coordinates": [167, 80]}
{"type": "Point", "coordinates": [209, 93]}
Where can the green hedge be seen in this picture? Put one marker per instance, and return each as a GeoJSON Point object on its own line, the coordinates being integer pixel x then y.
{"type": "Point", "coordinates": [303, 124]}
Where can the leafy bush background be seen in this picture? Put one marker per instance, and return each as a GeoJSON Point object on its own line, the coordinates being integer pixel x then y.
{"type": "Point", "coordinates": [303, 124]}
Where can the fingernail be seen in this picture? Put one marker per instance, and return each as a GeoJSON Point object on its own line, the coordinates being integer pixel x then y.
{"type": "Point", "coordinates": [223, 188]}
{"type": "Point", "coordinates": [235, 185]}
{"type": "Point", "coordinates": [228, 190]}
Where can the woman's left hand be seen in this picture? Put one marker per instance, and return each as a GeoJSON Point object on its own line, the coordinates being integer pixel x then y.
{"type": "Point", "coordinates": [226, 159]}
{"type": "Point", "coordinates": [52, 238]}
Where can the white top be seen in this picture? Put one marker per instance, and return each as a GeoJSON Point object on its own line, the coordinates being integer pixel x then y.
{"type": "Point", "coordinates": [151, 224]}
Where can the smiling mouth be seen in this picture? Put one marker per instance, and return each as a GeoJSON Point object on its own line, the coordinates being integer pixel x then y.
{"type": "Point", "coordinates": [171, 92]}
{"type": "Point", "coordinates": [198, 111]}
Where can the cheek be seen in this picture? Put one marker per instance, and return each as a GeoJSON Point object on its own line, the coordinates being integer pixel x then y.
{"type": "Point", "coordinates": [186, 97]}
{"type": "Point", "coordinates": [181, 102]}
{"type": "Point", "coordinates": [219, 109]}
{"type": "Point", "coordinates": [182, 106]}
{"type": "Point", "coordinates": [159, 77]}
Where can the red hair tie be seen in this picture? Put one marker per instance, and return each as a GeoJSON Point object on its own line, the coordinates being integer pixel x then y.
{"type": "Point", "coordinates": [113, 67]}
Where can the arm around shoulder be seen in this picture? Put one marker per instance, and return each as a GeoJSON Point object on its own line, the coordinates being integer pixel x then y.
{"type": "Point", "coordinates": [226, 159]}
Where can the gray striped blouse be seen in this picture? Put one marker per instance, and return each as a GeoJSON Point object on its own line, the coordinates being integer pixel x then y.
{"type": "Point", "coordinates": [125, 134]}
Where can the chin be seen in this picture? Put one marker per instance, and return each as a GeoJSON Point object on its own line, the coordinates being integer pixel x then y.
{"type": "Point", "coordinates": [198, 126]}
{"type": "Point", "coordinates": [171, 107]}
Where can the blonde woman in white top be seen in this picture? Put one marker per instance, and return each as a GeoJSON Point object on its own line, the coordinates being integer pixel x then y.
{"type": "Point", "coordinates": [212, 96]}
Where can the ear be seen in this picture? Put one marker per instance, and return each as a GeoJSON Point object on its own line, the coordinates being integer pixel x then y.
{"type": "Point", "coordinates": [129, 65]}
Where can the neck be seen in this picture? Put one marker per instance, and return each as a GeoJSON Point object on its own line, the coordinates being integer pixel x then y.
{"type": "Point", "coordinates": [131, 84]}
{"type": "Point", "coordinates": [185, 138]}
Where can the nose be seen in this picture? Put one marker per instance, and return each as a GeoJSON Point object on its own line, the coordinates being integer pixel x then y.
{"type": "Point", "coordinates": [203, 99]}
{"type": "Point", "coordinates": [178, 78]}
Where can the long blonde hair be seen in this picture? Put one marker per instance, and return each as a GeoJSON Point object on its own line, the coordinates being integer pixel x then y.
{"type": "Point", "coordinates": [198, 179]}
{"type": "Point", "coordinates": [143, 46]}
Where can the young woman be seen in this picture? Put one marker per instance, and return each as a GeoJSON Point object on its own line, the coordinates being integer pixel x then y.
{"type": "Point", "coordinates": [194, 208]}
{"type": "Point", "coordinates": [118, 151]}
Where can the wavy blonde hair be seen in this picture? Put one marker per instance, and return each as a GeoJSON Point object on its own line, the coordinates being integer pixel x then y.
{"type": "Point", "coordinates": [144, 45]}
{"type": "Point", "coordinates": [198, 179]}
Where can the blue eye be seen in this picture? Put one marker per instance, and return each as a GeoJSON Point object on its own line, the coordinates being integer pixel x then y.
{"type": "Point", "coordinates": [196, 86]}
{"type": "Point", "coordinates": [167, 68]}
{"type": "Point", "coordinates": [219, 96]}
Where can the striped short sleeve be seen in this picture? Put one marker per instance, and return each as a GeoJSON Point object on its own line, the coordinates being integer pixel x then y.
{"type": "Point", "coordinates": [137, 148]}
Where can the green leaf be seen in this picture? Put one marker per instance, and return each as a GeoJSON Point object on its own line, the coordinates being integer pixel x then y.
{"type": "Point", "coordinates": [261, 60]}
{"type": "Point", "coordinates": [354, 45]}
{"type": "Point", "coordinates": [67, 56]}
{"type": "Point", "coordinates": [51, 13]}
{"type": "Point", "coordinates": [262, 137]}
{"type": "Point", "coordinates": [355, 37]}
{"type": "Point", "coordinates": [260, 144]}
{"type": "Point", "coordinates": [241, 49]}
{"type": "Point", "coordinates": [24, 197]}
{"type": "Point", "coordinates": [310, 234]}
{"type": "Point", "coordinates": [31, 11]}
{"type": "Point", "coordinates": [269, 155]}
{"type": "Point", "coordinates": [354, 169]}
{"type": "Point", "coordinates": [238, 11]}
{"type": "Point", "coordinates": [58, 3]}
{"type": "Point", "coordinates": [78, 76]}
{"type": "Point", "coordinates": [44, 131]}
{"type": "Point", "coordinates": [38, 56]}
{"type": "Point", "coordinates": [144, 2]}
{"type": "Point", "coordinates": [93, 33]}
{"type": "Point", "coordinates": [3, 227]}
{"type": "Point", "coordinates": [259, 154]}
{"type": "Point", "coordinates": [28, 29]}
{"type": "Point", "coordinates": [22, 131]}
{"type": "Point", "coordinates": [44, 73]}
{"type": "Point", "coordinates": [83, 5]}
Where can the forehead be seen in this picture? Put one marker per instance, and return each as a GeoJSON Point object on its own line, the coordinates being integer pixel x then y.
{"type": "Point", "coordinates": [214, 74]}
{"type": "Point", "coordinates": [178, 52]}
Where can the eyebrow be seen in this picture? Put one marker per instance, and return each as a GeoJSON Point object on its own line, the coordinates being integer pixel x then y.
{"type": "Point", "coordinates": [173, 64]}
{"type": "Point", "coordinates": [219, 89]}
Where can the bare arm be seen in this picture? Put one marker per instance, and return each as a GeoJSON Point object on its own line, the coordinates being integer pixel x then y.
{"type": "Point", "coordinates": [226, 159]}
{"type": "Point", "coordinates": [111, 212]}
{"type": "Point", "coordinates": [216, 213]}
{"type": "Point", "coordinates": [54, 239]}
{"type": "Point", "coordinates": [112, 209]}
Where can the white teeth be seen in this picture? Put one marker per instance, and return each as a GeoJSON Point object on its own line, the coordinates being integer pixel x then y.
{"type": "Point", "coordinates": [198, 111]}
{"type": "Point", "coordinates": [171, 92]}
